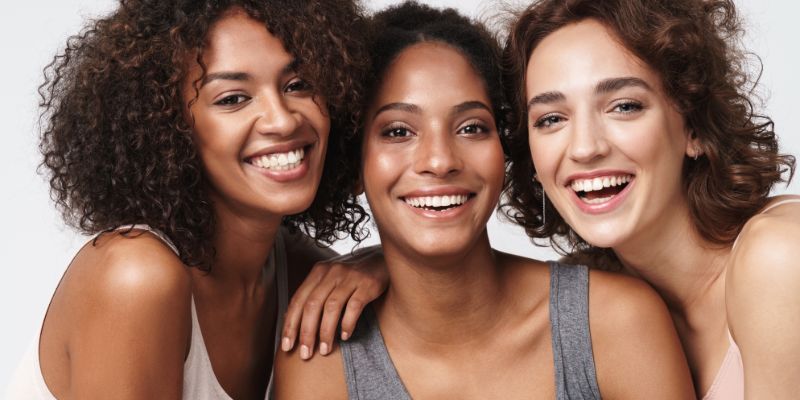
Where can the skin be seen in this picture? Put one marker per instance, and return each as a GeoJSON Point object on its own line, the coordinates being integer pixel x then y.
{"type": "Point", "coordinates": [635, 129]}
{"type": "Point", "coordinates": [120, 320]}
{"type": "Point", "coordinates": [450, 293]}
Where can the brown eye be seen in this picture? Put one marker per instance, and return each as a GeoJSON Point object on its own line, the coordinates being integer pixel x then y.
{"type": "Point", "coordinates": [232, 100]}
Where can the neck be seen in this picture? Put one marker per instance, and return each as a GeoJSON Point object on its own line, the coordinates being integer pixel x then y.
{"type": "Point", "coordinates": [242, 245]}
{"type": "Point", "coordinates": [442, 301]}
{"type": "Point", "coordinates": [673, 258]}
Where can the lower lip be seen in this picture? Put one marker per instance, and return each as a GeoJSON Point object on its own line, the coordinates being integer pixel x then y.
{"type": "Point", "coordinates": [450, 213]}
{"type": "Point", "coordinates": [612, 204]}
{"type": "Point", "coordinates": [284, 176]}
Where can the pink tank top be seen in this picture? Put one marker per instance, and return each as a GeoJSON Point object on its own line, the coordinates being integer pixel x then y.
{"type": "Point", "coordinates": [729, 382]}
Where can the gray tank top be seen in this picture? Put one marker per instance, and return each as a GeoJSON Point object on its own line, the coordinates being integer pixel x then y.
{"type": "Point", "coordinates": [371, 375]}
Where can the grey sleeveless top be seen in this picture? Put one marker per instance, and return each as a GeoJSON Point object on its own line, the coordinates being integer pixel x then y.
{"type": "Point", "coordinates": [371, 375]}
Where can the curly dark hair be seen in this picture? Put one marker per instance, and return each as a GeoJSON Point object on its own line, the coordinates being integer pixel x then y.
{"type": "Point", "coordinates": [115, 142]}
{"type": "Point", "coordinates": [694, 46]}
{"type": "Point", "coordinates": [401, 26]}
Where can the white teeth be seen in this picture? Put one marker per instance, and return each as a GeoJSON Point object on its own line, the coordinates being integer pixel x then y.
{"type": "Point", "coordinates": [589, 185]}
{"type": "Point", "coordinates": [280, 161]}
{"type": "Point", "coordinates": [436, 201]}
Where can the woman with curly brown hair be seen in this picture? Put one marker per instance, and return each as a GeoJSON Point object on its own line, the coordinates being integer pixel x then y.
{"type": "Point", "coordinates": [193, 134]}
{"type": "Point", "coordinates": [641, 151]}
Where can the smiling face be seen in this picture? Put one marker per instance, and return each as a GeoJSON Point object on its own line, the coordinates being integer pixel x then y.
{"type": "Point", "coordinates": [432, 162]}
{"type": "Point", "coordinates": [607, 143]}
{"type": "Point", "coordinates": [259, 130]}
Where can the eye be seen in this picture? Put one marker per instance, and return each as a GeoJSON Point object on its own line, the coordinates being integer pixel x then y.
{"type": "Point", "coordinates": [396, 132]}
{"type": "Point", "coordinates": [548, 121]}
{"type": "Point", "coordinates": [232, 100]}
{"type": "Point", "coordinates": [297, 85]}
{"type": "Point", "coordinates": [627, 107]}
{"type": "Point", "coordinates": [474, 128]}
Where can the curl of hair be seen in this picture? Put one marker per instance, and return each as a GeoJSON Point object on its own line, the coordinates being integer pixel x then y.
{"type": "Point", "coordinates": [694, 46]}
{"type": "Point", "coordinates": [115, 142]}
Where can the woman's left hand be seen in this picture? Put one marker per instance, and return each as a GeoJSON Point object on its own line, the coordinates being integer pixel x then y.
{"type": "Point", "coordinates": [347, 282]}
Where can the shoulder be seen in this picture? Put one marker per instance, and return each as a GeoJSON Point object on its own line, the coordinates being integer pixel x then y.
{"type": "Point", "coordinates": [128, 276]}
{"type": "Point", "coordinates": [636, 348]}
{"type": "Point", "coordinates": [292, 375]}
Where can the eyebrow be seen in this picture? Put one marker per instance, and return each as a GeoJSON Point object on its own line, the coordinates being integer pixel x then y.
{"type": "Point", "coordinates": [470, 105]}
{"type": "Point", "coordinates": [244, 76]}
{"type": "Point", "coordinates": [605, 86]}
{"type": "Point", "coordinates": [407, 107]}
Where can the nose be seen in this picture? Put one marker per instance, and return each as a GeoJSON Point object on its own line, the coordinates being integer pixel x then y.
{"type": "Point", "coordinates": [438, 155]}
{"type": "Point", "coordinates": [275, 116]}
{"type": "Point", "coordinates": [588, 140]}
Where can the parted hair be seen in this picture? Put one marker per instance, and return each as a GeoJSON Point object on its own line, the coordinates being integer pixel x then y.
{"type": "Point", "coordinates": [117, 147]}
{"type": "Point", "coordinates": [694, 46]}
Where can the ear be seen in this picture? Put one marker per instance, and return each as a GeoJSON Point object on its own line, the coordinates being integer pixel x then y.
{"type": "Point", "coordinates": [693, 147]}
{"type": "Point", "coordinates": [358, 189]}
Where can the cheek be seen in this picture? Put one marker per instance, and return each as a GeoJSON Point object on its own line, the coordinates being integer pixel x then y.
{"type": "Point", "coordinates": [545, 154]}
{"type": "Point", "coordinates": [379, 170]}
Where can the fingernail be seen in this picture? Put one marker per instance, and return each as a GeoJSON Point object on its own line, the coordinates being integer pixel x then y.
{"type": "Point", "coordinates": [305, 354]}
{"type": "Point", "coordinates": [345, 335]}
{"type": "Point", "coordinates": [323, 349]}
{"type": "Point", "coordinates": [286, 344]}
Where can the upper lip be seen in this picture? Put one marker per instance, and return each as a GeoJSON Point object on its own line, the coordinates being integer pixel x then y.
{"type": "Point", "coordinates": [595, 174]}
{"type": "Point", "coordinates": [280, 148]}
{"type": "Point", "coordinates": [438, 191]}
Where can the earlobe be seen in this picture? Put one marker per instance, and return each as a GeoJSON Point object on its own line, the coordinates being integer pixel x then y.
{"type": "Point", "coordinates": [693, 148]}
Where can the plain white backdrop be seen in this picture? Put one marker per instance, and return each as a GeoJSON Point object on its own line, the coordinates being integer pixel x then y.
{"type": "Point", "coordinates": [35, 246]}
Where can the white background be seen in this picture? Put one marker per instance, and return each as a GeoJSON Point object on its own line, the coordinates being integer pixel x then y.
{"type": "Point", "coordinates": [36, 246]}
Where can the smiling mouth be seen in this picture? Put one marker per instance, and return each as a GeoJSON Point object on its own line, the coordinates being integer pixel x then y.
{"type": "Point", "coordinates": [279, 161]}
{"type": "Point", "coordinates": [438, 203]}
{"type": "Point", "coordinates": [600, 189]}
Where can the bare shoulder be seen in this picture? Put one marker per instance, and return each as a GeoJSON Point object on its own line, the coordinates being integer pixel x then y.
{"type": "Point", "coordinates": [635, 345]}
{"type": "Point", "coordinates": [317, 378]}
{"type": "Point", "coordinates": [123, 312]}
{"type": "Point", "coordinates": [762, 299]}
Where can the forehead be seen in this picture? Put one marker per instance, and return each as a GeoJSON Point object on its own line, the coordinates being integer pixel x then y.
{"type": "Point", "coordinates": [430, 72]}
{"type": "Point", "coordinates": [236, 39]}
{"type": "Point", "coordinates": [579, 55]}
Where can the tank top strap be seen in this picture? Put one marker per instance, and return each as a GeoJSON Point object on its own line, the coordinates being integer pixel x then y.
{"type": "Point", "coordinates": [576, 377]}
{"type": "Point", "coordinates": [144, 227]}
{"type": "Point", "coordinates": [368, 368]}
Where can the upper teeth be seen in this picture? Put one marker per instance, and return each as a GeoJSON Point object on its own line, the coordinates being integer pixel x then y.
{"type": "Point", "coordinates": [588, 185]}
{"type": "Point", "coordinates": [436, 201]}
{"type": "Point", "coordinates": [280, 161]}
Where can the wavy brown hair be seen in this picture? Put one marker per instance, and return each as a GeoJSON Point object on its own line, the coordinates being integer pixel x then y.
{"type": "Point", "coordinates": [694, 47]}
{"type": "Point", "coordinates": [118, 150]}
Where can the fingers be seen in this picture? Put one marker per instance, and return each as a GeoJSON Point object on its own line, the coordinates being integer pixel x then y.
{"type": "Point", "coordinates": [310, 320]}
{"type": "Point", "coordinates": [330, 316]}
{"type": "Point", "coordinates": [355, 306]}
{"type": "Point", "coordinates": [294, 311]}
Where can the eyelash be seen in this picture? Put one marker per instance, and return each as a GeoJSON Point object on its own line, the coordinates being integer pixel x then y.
{"type": "Point", "coordinates": [547, 119]}
{"type": "Point", "coordinates": [392, 130]}
{"type": "Point", "coordinates": [297, 85]}
{"type": "Point", "coordinates": [226, 101]}
{"type": "Point", "coordinates": [483, 129]}
{"type": "Point", "coordinates": [635, 105]}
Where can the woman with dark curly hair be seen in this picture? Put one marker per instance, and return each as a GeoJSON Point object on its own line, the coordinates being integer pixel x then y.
{"type": "Point", "coordinates": [193, 134]}
{"type": "Point", "coordinates": [641, 151]}
{"type": "Point", "coordinates": [459, 319]}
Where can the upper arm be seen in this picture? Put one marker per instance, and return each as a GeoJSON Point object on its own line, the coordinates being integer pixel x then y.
{"type": "Point", "coordinates": [132, 321]}
{"type": "Point", "coordinates": [763, 303]}
{"type": "Point", "coordinates": [636, 348]}
{"type": "Point", "coordinates": [317, 378]}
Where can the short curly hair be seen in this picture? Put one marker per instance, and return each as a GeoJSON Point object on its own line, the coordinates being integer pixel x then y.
{"type": "Point", "coordinates": [694, 47]}
{"type": "Point", "coordinates": [115, 142]}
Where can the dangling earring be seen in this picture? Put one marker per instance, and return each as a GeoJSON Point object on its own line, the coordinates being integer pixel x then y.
{"type": "Point", "coordinates": [696, 152]}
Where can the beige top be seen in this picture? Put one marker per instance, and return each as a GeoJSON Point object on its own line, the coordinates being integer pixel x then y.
{"type": "Point", "coordinates": [729, 382]}
{"type": "Point", "coordinates": [199, 380]}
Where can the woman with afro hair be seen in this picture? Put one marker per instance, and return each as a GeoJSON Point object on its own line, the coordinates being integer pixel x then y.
{"type": "Point", "coordinates": [195, 140]}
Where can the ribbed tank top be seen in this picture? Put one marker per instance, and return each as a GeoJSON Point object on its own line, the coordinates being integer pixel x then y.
{"type": "Point", "coordinates": [371, 375]}
{"type": "Point", "coordinates": [199, 381]}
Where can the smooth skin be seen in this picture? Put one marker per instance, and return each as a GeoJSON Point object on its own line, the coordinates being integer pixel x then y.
{"type": "Point", "coordinates": [119, 323]}
{"type": "Point", "coordinates": [459, 319]}
{"type": "Point", "coordinates": [580, 123]}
